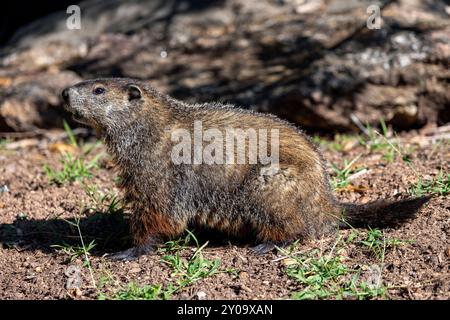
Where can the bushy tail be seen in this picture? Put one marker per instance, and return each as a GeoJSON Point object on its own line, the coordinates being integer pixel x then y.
{"type": "Point", "coordinates": [380, 214]}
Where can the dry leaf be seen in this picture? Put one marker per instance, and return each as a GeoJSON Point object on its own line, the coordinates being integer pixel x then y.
{"type": "Point", "coordinates": [289, 261]}
{"type": "Point", "coordinates": [5, 82]}
{"type": "Point", "coordinates": [62, 148]}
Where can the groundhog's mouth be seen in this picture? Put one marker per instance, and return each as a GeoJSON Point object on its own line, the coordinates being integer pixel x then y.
{"type": "Point", "coordinates": [78, 117]}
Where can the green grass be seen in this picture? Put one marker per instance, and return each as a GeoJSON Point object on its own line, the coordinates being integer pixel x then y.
{"type": "Point", "coordinates": [180, 244]}
{"type": "Point", "coordinates": [71, 136]}
{"type": "Point", "coordinates": [191, 269]}
{"type": "Point", "coordinates": [3, 142]}
{"type": "Point", "coordinates": [75, 252]}
{"type": "Point", "coordinates": [439, 185]}
{"type": "Point", "coordinates": [324, 275]}
{"type": "Point", "coordinates": [340, 180]}
{"type": "Point", "coordinates": [187, 266]}
{"type": "Point", "coordinates": [100, 202]}
{"type": "Point", "coordinates": [146, 292]}
{"type": "Point", "coordinates": [380, 142]}
{"type": "Point", "coordinates": [74, 167]}
{"type": "Point", "coordinates": [377, 243]}
{"type": "Point", "coordinates": [375, 141]}
{"type": "Point", "coordinates": [337, 144]}
{"type": "Point", "coordinates": [131, 291]}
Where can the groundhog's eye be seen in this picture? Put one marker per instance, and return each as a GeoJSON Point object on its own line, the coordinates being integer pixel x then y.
{"type": "Point", "coordinates": [99, 90]}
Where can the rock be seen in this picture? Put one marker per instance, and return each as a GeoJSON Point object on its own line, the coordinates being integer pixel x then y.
{"type": "Point", "coordinates": [33, 102]}
{"type": "Point", "coordinates": [201, 295]}
{"type": "Point", "coordinates": [314, 63]}
{"type": "Point", "coordinates": [245, 288]}
{"type": "Point", "coordinates": [134, 268]}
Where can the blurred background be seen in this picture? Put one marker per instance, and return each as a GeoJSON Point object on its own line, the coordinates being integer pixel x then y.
{"type": "Point", "coordinates": [313, 62]}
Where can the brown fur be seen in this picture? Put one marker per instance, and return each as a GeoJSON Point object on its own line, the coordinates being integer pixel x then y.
{"type": "Point", "coordinates": [137, 122]}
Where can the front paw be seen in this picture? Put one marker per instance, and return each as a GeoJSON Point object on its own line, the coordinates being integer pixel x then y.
{"type": "Point", "coordinates": [263, 248]}
{"type": "Point", "coordinates": [266, 247]}
{"type": "Point", "coordinates": [133, 253]}
{"type": "Point", "coordinates": [126, 255]}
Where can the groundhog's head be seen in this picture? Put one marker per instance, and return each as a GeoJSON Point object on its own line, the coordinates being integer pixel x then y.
{"type": "Point", "coordinates": [105, 103]}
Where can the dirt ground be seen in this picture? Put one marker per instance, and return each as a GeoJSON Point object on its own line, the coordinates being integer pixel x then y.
{"type": "Point", "coordinates": [33, 215]}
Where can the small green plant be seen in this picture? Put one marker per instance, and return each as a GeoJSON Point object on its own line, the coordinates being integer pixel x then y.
{"type": "Point", "coordinates": [132, 291]}
{"type": "Point", "coordinates": [75, 252]}
{"type": "Point", "coordinates": [337, 144]}
{"type": "Point", "coordinates": [136, 292]}
{"type": "Point", "coordinates": [101, 202]}
{"type": "Point", "coordinates": [76, 167]}
{"type": "Point", "coordinates": [3, 143]}
{"type": "Point", "coordinates": [192, 269]}
{"type": "Point", "coordinates": [439, 185]}
{"type": "Point", "coordinates": [341, 175]}
{"type": "Point", "coordinates": [374, 140]}
{"type": "Point", "coordinates": [187, 270]}
{"type": "Point", "coordinates": [319, 274]}
{"type": "Point", "coordinates": [78, 251]}
{"type": "Point", "coordinates": [377, 243]}
{"type": "Point", "coordinates": [326, 276]}
{"type": "Point", "coordinates": [73, 169]}
{"type": "Point", "coordinates": [179, 244]}
{"type": "Point", "coordinates": [380, 142]}
{"type": "Point", "coordinates": [70, 134]}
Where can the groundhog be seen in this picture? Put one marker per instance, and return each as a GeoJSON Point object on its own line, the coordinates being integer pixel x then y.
{"type": "Point", "coordinates": [201, 165]}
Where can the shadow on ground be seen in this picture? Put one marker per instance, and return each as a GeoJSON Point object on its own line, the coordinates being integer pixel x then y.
{"type": "Point", "coordinates": [110, 233]}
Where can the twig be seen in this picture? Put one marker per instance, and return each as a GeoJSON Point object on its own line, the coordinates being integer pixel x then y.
{"type": "Point", "coordinates": [358, 174]}
{"type": "Point", "coordinates": [358, 123]}
{"type": "Point", "coordinates": [86, 255]}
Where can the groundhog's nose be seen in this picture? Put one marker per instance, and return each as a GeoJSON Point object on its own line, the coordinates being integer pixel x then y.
{"type": "Point", "coordinates": [65, 95]}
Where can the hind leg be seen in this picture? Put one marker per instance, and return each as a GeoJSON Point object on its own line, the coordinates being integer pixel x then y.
{"type": "Point", "coordinates": [292, 207]}
{"type": "Point", "coordinates": [269, 237]}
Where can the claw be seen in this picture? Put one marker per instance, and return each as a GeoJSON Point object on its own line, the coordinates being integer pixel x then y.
{"type": "Point", "coordinates": [266, 247]}
{"type": "Point", "coordinates": [126, 255]}
{"type": "Point", "coordinates": [263, 248]}
{"type": "Point", "coordinates": [134, 252]}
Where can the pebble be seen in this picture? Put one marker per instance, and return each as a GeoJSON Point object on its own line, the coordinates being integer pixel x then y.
{"type": "Point", "coordinates": [134, 268]}
{"type": "Point", "coordinates": [245, 288]}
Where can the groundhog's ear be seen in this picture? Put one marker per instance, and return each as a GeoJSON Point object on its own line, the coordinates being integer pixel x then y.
{"type": "Point", "coordinates": [134, 92]}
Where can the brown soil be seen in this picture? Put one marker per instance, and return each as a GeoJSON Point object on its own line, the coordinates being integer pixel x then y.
{"type": "Point", "coordinates": [31, 222]}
